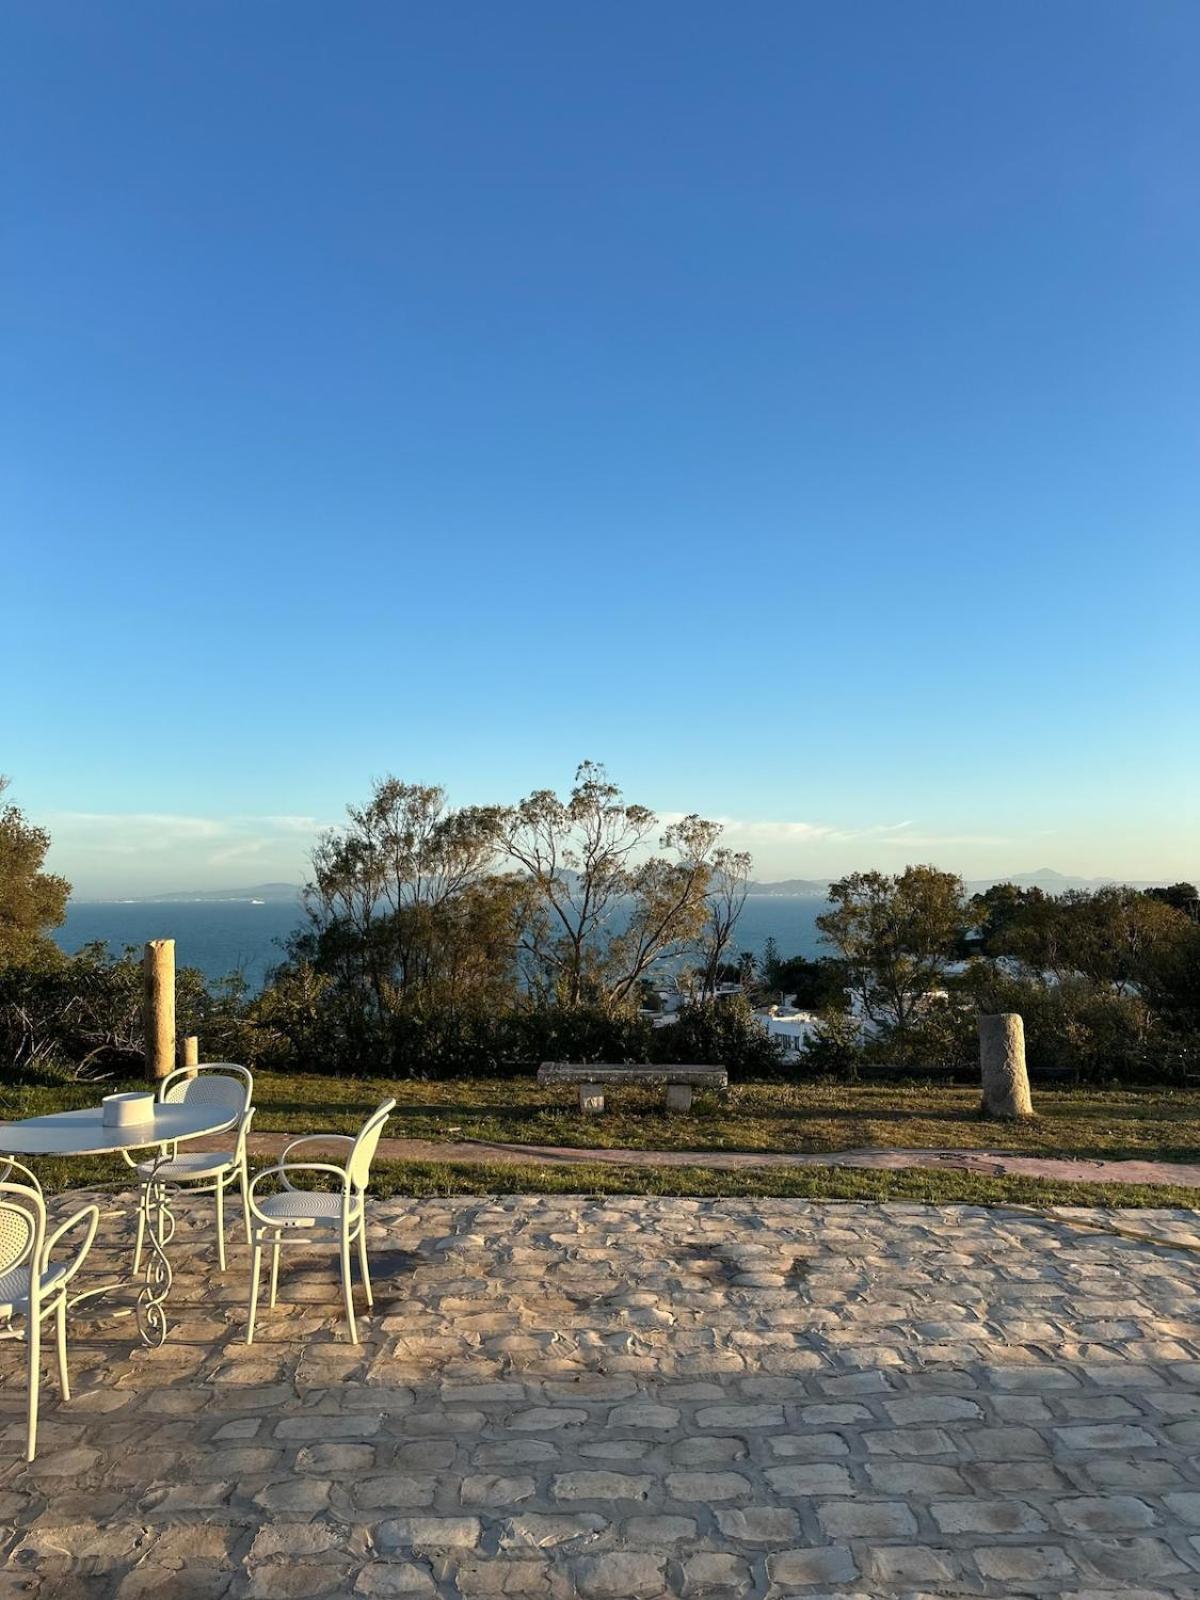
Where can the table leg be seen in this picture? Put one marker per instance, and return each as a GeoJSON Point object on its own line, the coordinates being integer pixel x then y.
{"type": "Point", "coordinates": [157, 1274]}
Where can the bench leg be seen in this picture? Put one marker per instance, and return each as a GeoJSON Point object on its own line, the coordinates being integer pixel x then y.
{"type": "Point", "coordinates": [591, 1097]}
{"type": "Point", "coordinates": [679, 1097]}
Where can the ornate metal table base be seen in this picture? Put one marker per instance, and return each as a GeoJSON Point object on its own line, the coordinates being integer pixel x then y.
{"type": "Point", "coordinates": [149, 1304]}
{"type": "Point", "coordinates": [157, 1275]}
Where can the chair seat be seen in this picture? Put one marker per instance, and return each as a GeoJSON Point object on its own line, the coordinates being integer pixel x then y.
{"type": "Point", "coordinates": [306, 1208]}
{"type": "Point", "coordinates": [193, 1164]}
{"type": "Point", "coordinates": [14, 1287]}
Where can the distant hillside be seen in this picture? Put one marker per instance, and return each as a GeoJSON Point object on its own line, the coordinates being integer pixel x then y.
{"type": "Point", "coordinates": [793, 886]}
{"type": "Point", "coordinates": [270, 893]}
{"type": "Point", "coordinates": [1045, 878]}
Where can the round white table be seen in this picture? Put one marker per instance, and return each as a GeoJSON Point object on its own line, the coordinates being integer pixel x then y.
{"type": "Point", "coordinates": [83, 1133]}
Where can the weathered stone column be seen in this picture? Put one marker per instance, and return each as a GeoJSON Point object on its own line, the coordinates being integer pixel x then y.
{"type": "Point", "coordinates": [158, 1007]}
{"type": "Point", "coordinates": [1002, 1067]}
{"type": "Point", "coordinates": [189, 1053]}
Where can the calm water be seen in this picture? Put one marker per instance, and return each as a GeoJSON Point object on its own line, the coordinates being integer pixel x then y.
{"type": "Point", "coordinates": [221, 936]}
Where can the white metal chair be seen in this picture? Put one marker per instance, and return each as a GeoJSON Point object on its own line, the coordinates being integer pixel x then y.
{"type": "Point", "coordinates": [31, 1286]}
{"type": "Point", "coordinates": [215, 1083]}
{"type": "Point", "coordinates": [337, 1215]}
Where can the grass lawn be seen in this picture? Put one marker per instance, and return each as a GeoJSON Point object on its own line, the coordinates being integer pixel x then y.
{"type": "Point", "coordinates": [812, 1117]}
{"type": "Point", "coordinates": [912, 1185]}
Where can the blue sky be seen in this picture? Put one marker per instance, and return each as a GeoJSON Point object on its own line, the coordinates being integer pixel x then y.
{"type": "Point", "coordinates": [794, 406]}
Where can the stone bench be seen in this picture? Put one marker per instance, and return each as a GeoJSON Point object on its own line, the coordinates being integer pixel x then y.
{"type": "Point", "coordinates": [678, 1079]}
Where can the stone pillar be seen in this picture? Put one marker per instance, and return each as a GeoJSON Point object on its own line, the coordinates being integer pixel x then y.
{"type": "Point", "coordinates": [189, 1053]}
{"type": "Point", "coordinates": [1002, 1067]}
{"type": "Point", "coordinates": [158, 1007]}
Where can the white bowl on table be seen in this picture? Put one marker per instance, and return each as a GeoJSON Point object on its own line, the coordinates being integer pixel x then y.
{"type": "Point", "coordinates": [127, 1110]}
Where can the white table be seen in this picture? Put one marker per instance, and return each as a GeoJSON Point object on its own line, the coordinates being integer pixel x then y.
{"type": "Point", "coordinates": [83, 1133]}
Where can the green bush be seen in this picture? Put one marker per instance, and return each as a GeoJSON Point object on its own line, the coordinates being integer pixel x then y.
{"type": "Point", "coordinates": [723, 1032]}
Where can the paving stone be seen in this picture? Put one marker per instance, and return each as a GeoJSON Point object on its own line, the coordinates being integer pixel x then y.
{"type": "Point", "coordinates": [290, 1539]}
{"type": "Point", "coordinates": [896, 1477]}
{"type": "Point", "coordinates": [909, 1564]}
{"type": "Point", "coordinates": [813, 1478]}
{"type": "Point", "coordinates": [620, 1575]}
{"type": "Point", "coordinates": [393, 1578]}
{"type": "Point", "coordinates": [866, 1519]}
{"type": "Point", "coordinates": [495, 1491]}
{"type": "Point", "coordinates": [507, 1576]}
{"type": "Point", "coordinates": [644, 1414]}
{"type": "Point", "coordinates": [986, 1516]}
{"type": "Point", "coordinates": [1023, 1563]}
{"type": "Point", "coordinates": [601, 1486]}
{"type": "Point", "coordinates": [796, 1568]}
{"type": "Point", "coordinates": [1114, 1436]}
{"type": "Point", "coordinates": [394, 1489]}
{"type": "Point", "coordinates": [769, 1525]}
{"type": "Point", "coordinates": [736, 1417]}
{"type": "Point", "coordinates": [547, 1531]}
{"type": "Point", "coordinates": [711, 1571]}
{"type": "Point", "coordinates": [706, 1486]}
{"type": "Point", "coordinates": [1103, 1514]}
{"type": "Point", "coordinates": [658, 1530]}
{"type": "Point", "coordinates": [428, 1533]}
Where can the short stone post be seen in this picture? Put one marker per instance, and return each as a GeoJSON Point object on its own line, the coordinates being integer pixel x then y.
{"type": "Point", "coordinates": [1002, 1067]}
{"type": "Point", "coordinates": [189, 1054]}
{"type": "Point", "coordinates": [158, 1007]}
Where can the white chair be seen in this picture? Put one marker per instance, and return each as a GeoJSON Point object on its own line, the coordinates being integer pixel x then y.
{"type": "Point", "coordinates": [216, 1083]}
{"type": "Point", "coordinates": [31, 1287]}
{"type": "Point", "coordinates": [338, 1216]}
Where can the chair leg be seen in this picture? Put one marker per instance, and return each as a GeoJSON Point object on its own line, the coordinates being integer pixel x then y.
{"type": "Point", "coordinates": [143, 1206]}
{"type": "Point", "coordinates": [362, 1261]}
{"type": "Point", "coordinates": [60, 1339]}
{"type": "Point", "coordinates": [274, 1271]}
{"type": "Point", "coordinates": [35, 1372]}
{"type": "Point", "coordinates": [221, 1223]}
{"type": "Point", "coordinates": [348, 1288]}
{"type": "Point", "coordinates": [255, 1272]}
{"type": "Point", "coordinates": [245, 1181]}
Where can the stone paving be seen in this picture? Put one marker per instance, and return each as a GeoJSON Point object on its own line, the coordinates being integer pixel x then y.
{"type": "Point", "coordinates": [637, 1398]}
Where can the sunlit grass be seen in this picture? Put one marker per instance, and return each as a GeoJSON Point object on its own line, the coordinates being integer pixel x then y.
{"type": "Point", "coordinates": [812, 1117]}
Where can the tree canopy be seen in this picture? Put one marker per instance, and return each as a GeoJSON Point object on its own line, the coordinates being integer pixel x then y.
{"type": "Point", "coordinates": [31, 901]}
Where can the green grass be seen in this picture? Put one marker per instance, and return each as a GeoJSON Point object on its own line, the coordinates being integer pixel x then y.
{"type": "Point", "coordinates": [818, 1117]}
{"type": "Point", "coordinates": [445, 1178]}
{"type": "Point", "coordinates": [432, 1178]}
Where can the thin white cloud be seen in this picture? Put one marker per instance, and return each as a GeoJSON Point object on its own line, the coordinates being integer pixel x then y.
{"type": "Point", "coordinates": [132, 852]}
{"type": "Point", "coordinates": [739, 830]}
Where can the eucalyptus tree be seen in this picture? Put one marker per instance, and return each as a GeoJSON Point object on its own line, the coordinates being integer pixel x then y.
{"type": "Point", "coordinates": [405, 899]}
{"type": "Point", "coordinates": [602, 907]}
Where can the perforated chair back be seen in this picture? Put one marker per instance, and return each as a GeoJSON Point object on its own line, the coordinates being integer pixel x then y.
{"type": "Point", "coordinates": [359, 1165]}
{"type": "Point", "coordinates": [216, 1083]}
{"type": "Point", "coordinates": [22, 1221]}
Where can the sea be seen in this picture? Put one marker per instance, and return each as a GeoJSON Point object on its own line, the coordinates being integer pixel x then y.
{"type": "Point", "coordinates": [223, 936]}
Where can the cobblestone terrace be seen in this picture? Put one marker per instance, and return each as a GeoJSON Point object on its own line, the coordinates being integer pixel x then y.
{"type": "Point", "coordinates": [637, 1398]}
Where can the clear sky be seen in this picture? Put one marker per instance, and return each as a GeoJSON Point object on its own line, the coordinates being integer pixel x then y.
{"type": "Point", "coordinates": [795, 406]}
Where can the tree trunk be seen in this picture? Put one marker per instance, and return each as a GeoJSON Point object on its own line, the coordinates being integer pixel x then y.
{"type": "Point", "coordinates": [158, 1007]}
{"type": "Point", "coordinates": [1002, 1066]}
{"type": "Point", "coordinates": [189, 1053]}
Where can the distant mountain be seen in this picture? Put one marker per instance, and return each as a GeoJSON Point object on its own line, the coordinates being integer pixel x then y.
{"type": "Point", "coordinates": [1052, 882]}
{"type": "Point", "coordinates": [1044, 878]}
{"type": "Point", "coordinates": [793, 886]}
{"type": "Point", "coordinates": [270, 893]}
